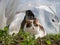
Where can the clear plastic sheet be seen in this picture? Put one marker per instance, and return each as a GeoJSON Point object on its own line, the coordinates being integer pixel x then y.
{"type": "Point", "coordinates": [44, 14]}
{"type": "Point", "coordinates": [2, 14]}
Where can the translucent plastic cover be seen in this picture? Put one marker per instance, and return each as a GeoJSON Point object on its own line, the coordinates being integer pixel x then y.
{"type": "Point", "coordinates": [44, 10]}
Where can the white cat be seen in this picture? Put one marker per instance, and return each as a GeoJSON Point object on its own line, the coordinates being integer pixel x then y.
{"type": "Point", "coordinates": [34, 28]}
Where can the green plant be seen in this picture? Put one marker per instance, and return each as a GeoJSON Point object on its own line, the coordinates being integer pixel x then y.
{"type": "Point", "coordinates": [23, 38]}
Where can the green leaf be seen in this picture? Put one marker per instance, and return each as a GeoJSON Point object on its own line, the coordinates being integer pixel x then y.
{"type": "Point", "coordinates": [48, 42]}
{"type": "Point", "coordinates": [6, 28]}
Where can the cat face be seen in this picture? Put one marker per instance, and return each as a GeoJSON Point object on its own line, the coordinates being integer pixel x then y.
{"type": "Point", "coordinates": [32, 23]}
{"type": "Point", "coordinates": [31, 26]}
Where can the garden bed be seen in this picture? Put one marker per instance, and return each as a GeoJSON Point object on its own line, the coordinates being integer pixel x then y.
{"type": "Point", "coordinates": [23, 38]}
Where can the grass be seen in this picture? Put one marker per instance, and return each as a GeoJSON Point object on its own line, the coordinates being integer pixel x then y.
{"type": "Point", "coordinates": [23, 38]}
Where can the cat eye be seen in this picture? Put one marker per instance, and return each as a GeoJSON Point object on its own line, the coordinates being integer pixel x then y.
{"type": "Point", "coordinates": [28, 25]}
{"type": "Point", "coordinates": [36, 25]}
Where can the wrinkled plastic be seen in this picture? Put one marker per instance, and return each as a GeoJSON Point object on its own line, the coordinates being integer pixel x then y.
{"type": "Point", "coordinates": [2, 14]}
{"type": "Point", "coordinates": [40, 8]}
{"type": "Point", "coordinates": [16, 23]}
